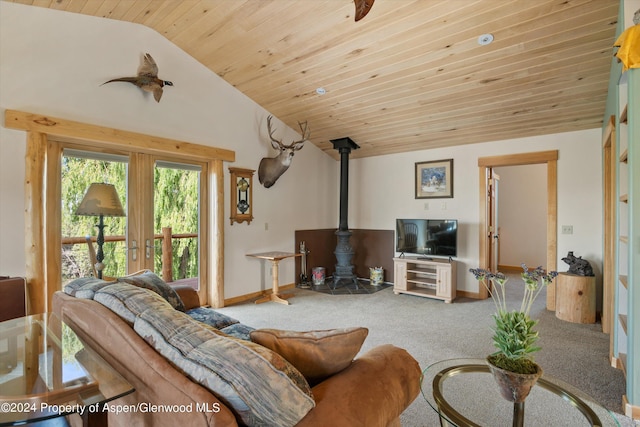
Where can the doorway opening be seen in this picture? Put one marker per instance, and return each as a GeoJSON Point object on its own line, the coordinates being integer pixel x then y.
{"type": "Point", "coordinates": [485, 164]}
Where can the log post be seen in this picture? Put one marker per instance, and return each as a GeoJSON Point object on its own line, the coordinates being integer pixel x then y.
{"type": "Point", "coordinates": [576, 298]}
{"type": "Point", "coordinates": [167, 255]}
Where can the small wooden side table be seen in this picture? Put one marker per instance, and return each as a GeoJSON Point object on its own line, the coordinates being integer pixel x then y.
{"type": "Point", "coordinates": [576, 298]}
{"type": "Point", "coordinates": [275, 257]}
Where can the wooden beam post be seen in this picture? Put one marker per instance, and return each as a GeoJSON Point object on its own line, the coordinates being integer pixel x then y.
{"type": "Point", "coordinates": [215, 284]}
{"type": "Point", "coordinates": [167, 255]}
{"type": "Point", "coordinates": [35, 242]}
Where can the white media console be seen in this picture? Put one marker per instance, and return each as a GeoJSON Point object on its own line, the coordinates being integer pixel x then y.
{"type": "Point", "coordinates": [425, 277]}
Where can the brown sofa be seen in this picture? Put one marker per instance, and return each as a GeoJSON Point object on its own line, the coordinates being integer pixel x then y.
{"type": "Point", "coordinates": [372, 391]}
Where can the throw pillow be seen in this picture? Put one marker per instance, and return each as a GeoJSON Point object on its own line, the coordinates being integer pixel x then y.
{"type": "Point", "coordinates": [316, 354]}
{"type": "Point", "coordinates": [149, 280]}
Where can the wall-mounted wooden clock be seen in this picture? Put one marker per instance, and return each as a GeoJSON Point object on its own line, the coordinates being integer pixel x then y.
{"type": "Point", "coordinates": [241, 195]}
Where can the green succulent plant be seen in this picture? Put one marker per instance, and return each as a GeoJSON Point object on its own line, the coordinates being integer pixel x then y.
{"type": "Point", "coordinates": [514, 336]}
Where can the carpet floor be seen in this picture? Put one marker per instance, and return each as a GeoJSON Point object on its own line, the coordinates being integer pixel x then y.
{"type": "Point", "coordinates": [431, 330]}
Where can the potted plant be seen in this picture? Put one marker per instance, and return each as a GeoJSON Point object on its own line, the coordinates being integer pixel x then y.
{"type": "Point", "coordinates": [513, 363]}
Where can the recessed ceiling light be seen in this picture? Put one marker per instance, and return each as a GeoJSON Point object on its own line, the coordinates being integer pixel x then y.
{"type": "Point", "coordinates": [321, 91]}
{"type": "Point", "coordinates": [485, 39]}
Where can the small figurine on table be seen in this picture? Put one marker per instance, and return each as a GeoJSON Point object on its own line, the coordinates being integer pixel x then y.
{"type": "Point", "coordinates": [578, 266]}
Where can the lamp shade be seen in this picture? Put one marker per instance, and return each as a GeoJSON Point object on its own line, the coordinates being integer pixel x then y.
{"type": "Point", "coordinates": [101, 199]}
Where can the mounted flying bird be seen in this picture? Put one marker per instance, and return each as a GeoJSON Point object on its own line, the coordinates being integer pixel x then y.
{"type": "Point", "coordinates": [147, 78]}
{"type": "Point", "coordinates": [362, 8]}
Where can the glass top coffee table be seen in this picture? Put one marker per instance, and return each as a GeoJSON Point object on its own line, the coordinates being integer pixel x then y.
{"type": "Point", "coordinates": [46, 371]}
{"type": "Point", "coordinates": [464, 394]}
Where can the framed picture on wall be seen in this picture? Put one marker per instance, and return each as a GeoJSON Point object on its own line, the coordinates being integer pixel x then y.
{"type": "Point", "coordinates": [434, 180]}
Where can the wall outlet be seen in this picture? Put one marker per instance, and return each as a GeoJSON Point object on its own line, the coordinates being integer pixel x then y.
{"type": "Point", "coordinates": [426, 206]}
{"type": "Point", "coordinates": [444, 206]}
{"type": "Point", "coordinates": [266, 226]}
{"type": "Point", "coordinates": [567, 229]}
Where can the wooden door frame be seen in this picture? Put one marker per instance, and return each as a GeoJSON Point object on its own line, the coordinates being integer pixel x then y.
{"type": "Point", "coordinates": [41, 242]}
{"type": "Point", "coordinates": [140, 226]}
{"type": "Point", "coordinates": [550, 158]}
{"type": "Point", "coordinates": [610, 164]}
{"type": "Point", "coordinates": [492, 209]}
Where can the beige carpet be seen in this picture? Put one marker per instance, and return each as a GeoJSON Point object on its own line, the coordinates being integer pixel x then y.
{"type": "Point", "coordinates": [432, 330]}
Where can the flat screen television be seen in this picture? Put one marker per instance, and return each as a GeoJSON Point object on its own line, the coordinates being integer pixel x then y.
{"type": "Point", "coordinates": [428, 237]}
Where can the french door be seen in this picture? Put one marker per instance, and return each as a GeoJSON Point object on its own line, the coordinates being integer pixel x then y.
{"type": "Point", "coordinates": [161, 197]}
{"type": "Point", "coordinates": [167, 218]}
{"type": "Point", "coordinates": [47, 137]}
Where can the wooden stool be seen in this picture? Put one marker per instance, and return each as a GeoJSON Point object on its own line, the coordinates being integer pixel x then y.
{"type": "Point", "coordinates": [576, 298]}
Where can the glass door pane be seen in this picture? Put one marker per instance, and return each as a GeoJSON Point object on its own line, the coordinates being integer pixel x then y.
{"type": "Point", "coordinates": [79, 170]}
{"type": "Point", "coordinates": [177, 222]}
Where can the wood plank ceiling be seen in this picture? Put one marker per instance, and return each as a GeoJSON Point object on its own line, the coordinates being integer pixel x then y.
{"type": "Point", "coordinates": [409, 76]}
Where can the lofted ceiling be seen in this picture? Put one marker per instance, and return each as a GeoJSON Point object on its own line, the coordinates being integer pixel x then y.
{"type": "Point", "coordinates": [409, 76]}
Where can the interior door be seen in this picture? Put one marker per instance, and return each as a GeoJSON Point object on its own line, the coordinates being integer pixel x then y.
{"type": "Point", "coordinates": [494, 228]}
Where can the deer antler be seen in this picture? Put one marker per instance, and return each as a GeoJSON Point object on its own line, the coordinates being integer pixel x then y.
{"type": "Point", "coordinates": [271, 131]}
{"type": "Point", "coordinates": [306, 133]}
{"type": "Point", "coordinates": [304, 129]}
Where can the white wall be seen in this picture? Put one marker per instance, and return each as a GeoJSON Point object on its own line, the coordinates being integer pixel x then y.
{"type": "Point", "coordinates": [522, 215]}
{"type": "Point", "coordinates": [383, 190]}
{"type": "Point", "coordinates": [54, 63]}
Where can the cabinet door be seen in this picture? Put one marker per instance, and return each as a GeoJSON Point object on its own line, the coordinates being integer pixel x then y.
{"type": "Point", "coordinates": [443, 282]}
{"type": "Point", "coordinates": [400, 273]}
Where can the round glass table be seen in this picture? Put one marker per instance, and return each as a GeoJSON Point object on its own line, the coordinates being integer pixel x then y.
{"type": "Point", "coordinates": [464, 394]}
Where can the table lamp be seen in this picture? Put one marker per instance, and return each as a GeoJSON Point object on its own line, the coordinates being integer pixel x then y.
{"type": "Point", "coordinates": [100, 200]}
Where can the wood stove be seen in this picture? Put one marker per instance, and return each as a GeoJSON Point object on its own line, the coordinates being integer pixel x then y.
{"type": "Point", "coordinates": [343, 274]}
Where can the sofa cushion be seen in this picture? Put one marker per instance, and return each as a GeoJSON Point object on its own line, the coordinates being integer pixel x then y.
{"type": "Point", "coordinates": [211, 317]}
{"type": "Point", "coordinates": [316, 354]}
{"type": "Point", "coordinates": [252, 380]}
{"type": "Point", "coordinates": [249, 378]}
{"type": "Point", "coordinates": [238, 330]}
{"type": "Point", "coordinates": [222, 322]}
{"type": "Point", "coordinates": [85, 287]}
{"type": "Point", "coordinates": [194, 370]}
{"type": "Point", "coordinates": [113, 295]}
{"type": "Point", "coordinates": [121, 299]}
{"type": "Point", "coordinates": [149, 280]}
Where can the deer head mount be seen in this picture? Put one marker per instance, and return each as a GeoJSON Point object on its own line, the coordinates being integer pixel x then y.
{"type": "Point", "coordinates": [271, 168]}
